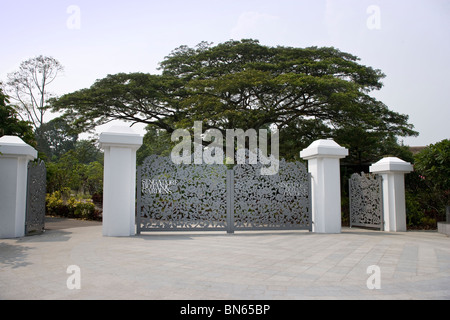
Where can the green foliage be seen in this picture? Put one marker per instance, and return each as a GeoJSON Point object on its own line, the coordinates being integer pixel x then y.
{"type": "Point", "coordinates": [81, 209]}
{"type": "Point", "coordinates": [135, 97]}
{"type": "Point", "coordinates": [54, 203]}
{"type": "Point", "coordinates": [434, 164]}
{"type": "Point", "coordinates": [156, 141]}
{"type": "Point", "coordinates": [417, 215]}
{"type": "Point", "coordinates": [94, 177]}
{"type": "Point", "coordinates": [71, 207]}
{"type": "Point", "coordinates": [308, 93]}
{"type": "Point", "coordinates": [427, 188]}
{"type": "Point", "coordinates": [87, 151]}
{"type": "Point", "coordinates": [75, 171]}
{"type": "Point", "coordinates": [11, 124]}
{"type": "Point", "coordinates": [55, 138]}
{"type": "Point", "coordinates": [366, 147]}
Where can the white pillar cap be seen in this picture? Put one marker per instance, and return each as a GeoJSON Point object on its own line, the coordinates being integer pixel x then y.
{"type": "Point", "coordinates": [325, 148]}
{"type": "Point", "coordinates": [120, 136]}
{"type": "Point", "coordinates": [14, 146]}
{"type": "Point", "coordinates": [391, 164]}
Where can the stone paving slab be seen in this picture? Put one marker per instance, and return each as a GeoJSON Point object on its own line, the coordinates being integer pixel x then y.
{"type": "Point", "coordinates": [214, 265]}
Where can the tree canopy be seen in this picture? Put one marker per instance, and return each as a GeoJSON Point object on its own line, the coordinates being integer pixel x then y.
{"type": "Point", "coordinates": [11, 124]}
{"type": "Point", "coordinates": [55, 138]}
{"type": "Point", "coordinates": [433, 163]}
{"type": "Point", "coordinates": [304, 92]}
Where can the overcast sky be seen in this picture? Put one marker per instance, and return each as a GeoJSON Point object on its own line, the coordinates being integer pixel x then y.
{"type": "Point", "coordinates": [408, 40]}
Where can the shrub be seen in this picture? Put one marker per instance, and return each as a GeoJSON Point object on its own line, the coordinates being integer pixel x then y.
{"type": "Point", "coordinates": [73, 207]}
{"type": "Point", "coordinates": [84, 209]}
{"type": "Point", "coordinates": [433, 166]}
{"type": "Point", "coordinates": [414, 211]}
{"type": "Point", "coordinates": [428, 222]}
{"type": "Point", "coordinates": [55, 204]}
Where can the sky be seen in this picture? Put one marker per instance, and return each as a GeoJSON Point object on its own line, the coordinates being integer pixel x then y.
{"type": "Point", "coordinates": [409, 41]}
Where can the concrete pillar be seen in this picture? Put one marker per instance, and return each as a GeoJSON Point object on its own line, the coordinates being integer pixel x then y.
{"type": "Point", "coordinates": [119, 180]}
{"type": "Point", "coordinates": [14, 157]}
{"type": "Point", "coordinates": [393, 171]}
{"type": "Point", "coordinates": [323, 164]}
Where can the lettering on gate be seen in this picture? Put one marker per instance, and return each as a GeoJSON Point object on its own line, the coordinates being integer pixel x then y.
{"type": "Point", "coordinates": [157, 186]}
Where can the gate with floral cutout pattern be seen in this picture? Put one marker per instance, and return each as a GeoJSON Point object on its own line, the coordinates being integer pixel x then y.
{"type": "Point", "coordinates": [201, 197]}
{"type": "Point", "coordinates": [366, 200]}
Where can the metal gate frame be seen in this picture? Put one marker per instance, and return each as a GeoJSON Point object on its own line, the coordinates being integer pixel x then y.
{"type": "Point", "coordinates": [366, 200]}
{"type": "Point", "coordinates": [227, 221]}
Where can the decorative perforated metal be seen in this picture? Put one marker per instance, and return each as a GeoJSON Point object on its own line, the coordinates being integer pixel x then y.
{"type": "Point", "coordinates": [279, 201]}
{"type": "Point", "coordinates": [180, 197]}
{"type": "Point", "coordinates": [366, 200]}
{"type": "Point", "coordinates": [210, 197]}
{"type": "Point", "coordinates": [36, 190]}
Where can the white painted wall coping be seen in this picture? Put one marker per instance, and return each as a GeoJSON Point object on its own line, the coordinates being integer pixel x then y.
{"type": "Point", "coordinates": [16, 147]}
{"type": "Point", "coordinates": [118, 136]}
{"type": "Point", "coordinates": [324, 148]}
{"type": "Point", "coordinates": [391, 164]}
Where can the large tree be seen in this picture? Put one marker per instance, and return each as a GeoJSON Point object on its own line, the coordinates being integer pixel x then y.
{"type": "Point", "coordinates": [55, 138]}
{"type": "Point", "coordinates": [243, 84]}
{"type": "Point", "coordinates": [28, 87]}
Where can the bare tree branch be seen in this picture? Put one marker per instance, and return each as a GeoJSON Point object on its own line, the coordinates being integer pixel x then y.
{"type": "Point", "coordinates": [28, 87]}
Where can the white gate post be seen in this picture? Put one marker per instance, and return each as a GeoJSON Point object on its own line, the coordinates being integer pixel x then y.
{"type": "Point", "coordinates": [323, 164]}
{"type": "Point", "coordinates": [393, 171]}
{"type": "Point", "coordinates": [119, 181]}
{"type": "Point", "coordinates": [14, 157]}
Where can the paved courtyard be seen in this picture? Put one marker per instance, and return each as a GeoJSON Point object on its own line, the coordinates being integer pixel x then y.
{"type": "Point", "coordinates": [216, 265]}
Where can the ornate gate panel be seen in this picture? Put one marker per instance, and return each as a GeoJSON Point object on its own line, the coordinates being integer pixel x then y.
{"type": "Point", "coordinates": [36, 190]}
{"type": "Point", "coordinates": [180, 197]}
{"type": "Point", "coordinates": [366, 200]}
{"type": "Point", "coordinates": [280, 201]}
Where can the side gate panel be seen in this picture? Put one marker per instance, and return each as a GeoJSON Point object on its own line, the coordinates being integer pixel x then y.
{"type": "Point", "coordinates": [366, 200]}
{"type": "Point", "coordinates": [36, 191]}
